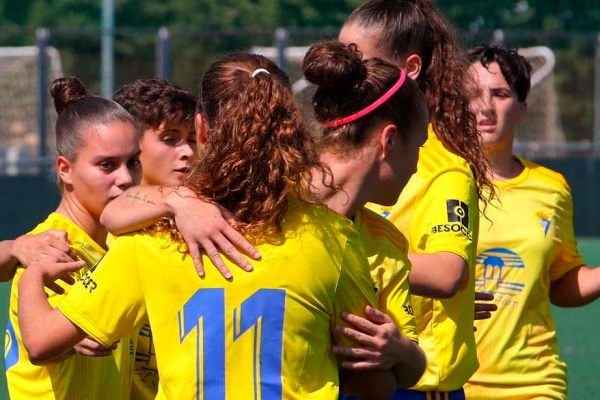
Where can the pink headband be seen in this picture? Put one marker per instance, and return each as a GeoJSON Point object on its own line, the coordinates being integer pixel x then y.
{"type": "Point", "coordinates": [368, 109]}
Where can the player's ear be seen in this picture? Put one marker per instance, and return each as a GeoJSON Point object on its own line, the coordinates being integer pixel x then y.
{"type": "Point", "coordinates": [413, 66]}
{"type": "Point", "coordinates": [63, 169]}
{"type": "Point", "coordinates": [388, 138]}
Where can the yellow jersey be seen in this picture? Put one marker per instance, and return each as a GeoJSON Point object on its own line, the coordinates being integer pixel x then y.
{"type": "Point", "coordinates": [76, 377]}
{"type": "Point", "coordinates": [386, 249]}
{"type": "Point", "coordinates": [261, 335]}
{"type": "Point", "coordinates": [438, 211]}
{"type": "Point", "coordinates": [527, 243]}
{"type": "Point", "coordinates": [145, 374]}
{"type": "Point", "coordinates": [144, 385]}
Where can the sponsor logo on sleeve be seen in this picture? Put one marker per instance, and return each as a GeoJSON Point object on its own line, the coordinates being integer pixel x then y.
{"type": "Point", "coordinates": [88, 281]}
{"type": "Point", "coordinates": [458, 212]}
{"type": "Point", "coordinates": [458, 219]}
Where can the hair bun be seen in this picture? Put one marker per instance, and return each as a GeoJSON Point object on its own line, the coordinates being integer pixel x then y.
{"type": "Point", "coordinates": [333, 64]}
{"type": "Point", "coordinates": [66, 91]}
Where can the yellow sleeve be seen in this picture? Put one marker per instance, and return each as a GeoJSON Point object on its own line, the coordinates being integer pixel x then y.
{"type": "Point", "coordinates": [108, 302]}
{"type": "Point", "coordinates": [447, 217]}
{"type": "Point", "coordinates": [566, 256]}
{"type": "Point", "coordinates": [394, 297]}
{"type": "Point", "coordinates": [386, 249]}
{"type": "Point", "coordinates": [354, 290]}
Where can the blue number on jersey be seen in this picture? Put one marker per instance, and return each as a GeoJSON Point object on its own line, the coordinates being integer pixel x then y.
{"type": "Point", "coordinates": [207, 307]}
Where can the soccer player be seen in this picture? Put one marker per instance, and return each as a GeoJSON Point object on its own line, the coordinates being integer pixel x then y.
{"type": "Point", "coordinates": [165, 112]}
{"type": "Point", "coordinates": [98, 157]}
{"type": "Point", "coordinates": [374, 120]}
{"type": "Point", "coordinates": [438, 209]}
{"type": "Point", "coordinates": [267, 334]}
{"type": "Point", "coordinates": [527, 252]}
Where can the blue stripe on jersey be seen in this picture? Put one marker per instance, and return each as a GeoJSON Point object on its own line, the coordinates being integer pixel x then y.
{"type": "Point", "coordinates": [11, 346]}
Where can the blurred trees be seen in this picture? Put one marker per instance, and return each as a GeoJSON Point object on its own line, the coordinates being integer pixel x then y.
{"type": "Point", "coordinates": [544, 15]}
{"type": "Point", "coordinates": [468, 15]}
{"type": "Point", "coordinates": [203, 29]}
{"type": "Point", "coordinates": [194, 14]}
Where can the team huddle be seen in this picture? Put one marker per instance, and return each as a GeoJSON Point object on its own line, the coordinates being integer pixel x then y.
{"type": "Point", "coordinates": [219, 248]}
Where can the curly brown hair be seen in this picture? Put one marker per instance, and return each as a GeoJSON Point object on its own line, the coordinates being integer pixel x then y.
{"type": "Point", "coordinates": [257, 150]}
{"type": "Point", "coordinates": [153, 101]}
{"type": "Point", "coordinates": [406, 27]}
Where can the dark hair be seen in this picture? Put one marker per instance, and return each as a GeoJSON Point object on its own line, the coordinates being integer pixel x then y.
{"type": "Point", "coordinates": [154, 101]}
{"type": "Point", "coordinates": [77, 110]}
{"type": "Point", "coordinates": [406, 27]}
{"type": "Point", "coordinates": [348, 84]}
{"type": "Point", "coordinates": [258, 150]}
{"type": "Point", "coordinates": [515, 68]}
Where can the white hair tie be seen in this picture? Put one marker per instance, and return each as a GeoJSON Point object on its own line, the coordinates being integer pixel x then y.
{"type": "Point", "coordinates": [259, 70]}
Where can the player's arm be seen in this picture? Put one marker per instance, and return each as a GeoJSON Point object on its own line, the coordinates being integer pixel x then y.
{"type": "Point", "coordinates": [573, 283]}
{"type": "Point", "coordinates": [137, 208]}
{"type": "Point", "coordinates": [440, 266]}
{"type": "Point", "coordinates": [202, 224]}
{"type": "Point", "coordinates": [382, 346]}
{"type": "Point", "coordinates": [438, 275]}
{"type": "Point", "coordinates": [387, 336]}
{"type": "Point", "coordinates": [51, 245]}
{"type": "Point", "coordinates": [47, 333]}
{"type": "Point", "coordinates": [87, 347]}
{"type": "Point", "coordinates": [578, 287]}
{"type": "Point", "coordinates": [354, 292]}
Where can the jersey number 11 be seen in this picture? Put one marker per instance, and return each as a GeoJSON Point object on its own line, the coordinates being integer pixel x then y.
{"type": "Point", "coordinates": [204, 312]}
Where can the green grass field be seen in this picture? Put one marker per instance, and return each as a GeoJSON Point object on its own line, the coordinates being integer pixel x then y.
{"type": "Point", "coordinates": [578, 333]}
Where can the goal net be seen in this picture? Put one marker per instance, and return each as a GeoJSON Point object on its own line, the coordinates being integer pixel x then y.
{"type": "Point", "coordinates": [19, 92]}
{"type": "Point", "coordinates": [542, 131]}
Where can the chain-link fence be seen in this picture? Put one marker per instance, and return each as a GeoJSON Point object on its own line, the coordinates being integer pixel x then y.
{"type": "Point", "coordinates": [562, 105]}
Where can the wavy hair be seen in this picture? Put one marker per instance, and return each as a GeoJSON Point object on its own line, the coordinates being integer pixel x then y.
{"type": "Point", "coordinates": [153, 101]}
{"type": "Point", "coordinates": [258, 150]}
{"type": "Point", "coordinates": [406, 27]}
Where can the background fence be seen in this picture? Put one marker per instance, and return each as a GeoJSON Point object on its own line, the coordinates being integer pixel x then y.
{"type": "Point", "coordinates": [564, 106]}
